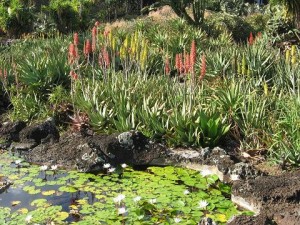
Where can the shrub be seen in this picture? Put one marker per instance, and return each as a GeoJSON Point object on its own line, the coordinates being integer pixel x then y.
{"type": "Point", "coordinates": [69, 15]}
{"type": "Point", "coordinates": [258, 21]}
{"type": "Point", "coordinates": [218, 23]}
{"type": "Point", "coordinates": [16, 17]}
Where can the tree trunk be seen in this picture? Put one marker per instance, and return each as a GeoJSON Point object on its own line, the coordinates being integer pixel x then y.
{"type": "Point", "coordinates": [141, 6]}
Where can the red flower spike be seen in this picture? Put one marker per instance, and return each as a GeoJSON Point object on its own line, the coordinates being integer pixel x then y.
{"type": "Point", "coordinates": [106, 57]}
{"type": "Point", "coordinates": [76, 39]}
{"type": "Point", "coordinates": [94, 37]}
{"type": "Point", "coordinates": [73, 75]}
{"type": "Point", "coordinates": [72, 53]}
{"type": "Point", "coordinates": [193, 54]}
{"type": "Point", "coordinates": [87, 48]}
{"type": "Point", "coordinates": [251, 39]}
{"type": "Point", "coordinates": [203, 67]}
{"type": "Point", "coordinates": [187, 65]}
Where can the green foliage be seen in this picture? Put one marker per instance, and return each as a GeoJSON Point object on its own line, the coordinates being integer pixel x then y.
{"type": "Point", "coordinates": [238, 96]}
{"type": "Point", "coordinates": [258, 21]}
{"type": "Point", "coordinates": [233, 7]}
{"type": "Point", "coordinates": [292, 7]}
{"type": "Point", "coordinates": [278, 27]}
{"type": "Point", "coordinates": [172, 113]}
{"type": "Point", "coordinates": [16, 17]}
{"type": "Point", "coordinates": [27, 106]}
{"type": "Point", "coordinates": [286, 134]}
{"type": "Point", "coordinates": [70, 15]}
{"type": "Point", "coordinates": [218, 23]}
{"type": "Point", "coordinates": [35, 68]}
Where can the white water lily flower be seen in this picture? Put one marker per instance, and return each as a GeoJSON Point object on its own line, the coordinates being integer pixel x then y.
{"type": "Point", "coordinates": [186, 192]}
{"type": "Point", "coordinates": [206, 172]}
{"type": "Point", "coordinates": [106, 165]}
{"type": "Point", "coordinates": [54, 167]}
{"type": "Point", "coordinates": [44, 167]}
{"type": "Point", "coordinates": [152, 201]}
{"type": "Point", "coordinates": [18, 162]}
{"type": "Point", "coordinates": [28, 218]}
{"type": "Point", "coordinates": [119, 198]}
{"type": "Point", "coordinates": [137, 198]}
{"type": "Point", "coordinates": [177, 220]}
{"type": "Point", "coordinates": [124, 165]}
{"type": "Point", "coordinates": [111, 170]}
{"type": "Point", "coordinates": [122, 210]}
{"type": "Point", "coordinates": [202, 204]}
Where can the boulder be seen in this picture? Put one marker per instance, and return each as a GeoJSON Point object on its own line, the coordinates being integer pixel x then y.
{"type": "Point", "coordinates": [40, 133]}
{"type": "Point", "coordinates": [9, 132]}
{"type": "Point", "coordinates": [90, 153]}
{"type": "Point", "coordinates": [4, 184]}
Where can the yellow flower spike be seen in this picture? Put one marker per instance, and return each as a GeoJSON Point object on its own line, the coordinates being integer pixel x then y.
{"type": "Point", "coordinates": [248, 72]}
{"type": "Point", "coordinates": [294, 54]}
{"type": "Point", "coordinates": [294, 60]}
{"type": "Point", "coordinates": [287, 56]}
{"type": "Point", "coordinates": [122, 52]}
{"type": "Point", "coordinates": [144, 54]}
{"type": "Point", "coordinates": [110, 38]}
{"type": "Point", "coordinates": [136, 40]}
{"type": "Point", "coordinates": [244, 65]}
{"type": "Point", "coordinates": [126, 42]}
{"type": "Point", "coordinates": [266, 89]}
{"type": "Point", "coordinates": [113, 44]}
{"type": "Point", "coordinates": [133, 47]}
{"type": "Point", "coordinates": [136, 36]}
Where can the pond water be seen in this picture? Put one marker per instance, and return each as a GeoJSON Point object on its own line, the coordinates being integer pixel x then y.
{"type": "Point", "coordinates": [158, 195]}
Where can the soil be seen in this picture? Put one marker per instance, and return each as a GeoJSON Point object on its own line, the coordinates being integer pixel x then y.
{"type": "Point", "coordinates": [277, 198]}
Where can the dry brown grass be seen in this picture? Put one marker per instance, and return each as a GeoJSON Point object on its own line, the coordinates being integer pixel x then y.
{"type": "Point", "coordinates": [162, 14]}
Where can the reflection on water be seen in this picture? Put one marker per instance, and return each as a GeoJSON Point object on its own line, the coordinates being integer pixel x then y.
{"type": "Point", "coordinates": [63, 199]}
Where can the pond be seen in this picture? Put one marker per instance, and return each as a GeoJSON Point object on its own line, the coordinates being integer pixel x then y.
{"type": "Point", "coordinates": [157, 195]}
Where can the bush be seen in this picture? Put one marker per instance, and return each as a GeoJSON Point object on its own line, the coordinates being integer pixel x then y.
{"type": "Point", "coordinates": [258, 21]}
{"type": "Point", "coordinates": [16, 17]}
{"type": "Point", "coordinates": [218, 23]}
{"type": "Point", "coordinates": [70, 15]}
